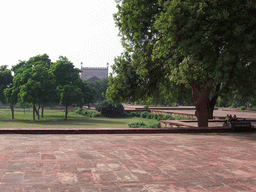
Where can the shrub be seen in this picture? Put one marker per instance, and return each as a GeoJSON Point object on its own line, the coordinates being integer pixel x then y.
{"type": "Point", "coordinates": [167, 117]}
{"type": "Point", "coordinates": [109, 110]}
{"type": "Point", "coordinates": [88, 113]}
{"type": "Point", "coordinates": [154, 125]}
{"type": "Point", "coordinates": [125, 114]}
{"type": "Point", "coordinates": [139, 124]}
{"type": "Point", "coordinates": [79, 111]}
{"type": "Point", "coordinates": [96, 114]}
{"type": "Point", "coordinates": [160, 117]}
{"type": "Point", "coordinates": [134, 114]}
{"type": "Point", "coordinates": [144, 114]}
{"type": "Point", "coordinates": [184, 118]}
{"type": "Point", "coordinates": [243, 108]}
{"type": "Point", "coordinates": [151, 116]}
{"type": "Point", "coordinates": [84, 113]}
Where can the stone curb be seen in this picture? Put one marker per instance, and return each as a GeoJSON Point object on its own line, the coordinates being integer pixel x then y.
{"type": "Point", "coordinates": [118, 131]}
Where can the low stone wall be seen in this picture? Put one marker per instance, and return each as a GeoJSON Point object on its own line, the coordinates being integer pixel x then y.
{"type": "Point", "coordinates": [173, 114]}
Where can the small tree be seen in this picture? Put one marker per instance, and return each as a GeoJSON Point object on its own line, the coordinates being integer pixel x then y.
{"type": "Point", "coordinates": [69, 87]}
{"type": "Point", "coordinates": [69, 95]}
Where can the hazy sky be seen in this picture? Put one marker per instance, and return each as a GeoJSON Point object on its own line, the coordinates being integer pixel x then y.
{"type": "Point", "coordinates": [82, 30]}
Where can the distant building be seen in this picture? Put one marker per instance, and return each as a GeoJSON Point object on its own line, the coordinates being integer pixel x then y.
{"type": "Point", "coordinates": [93, 73]}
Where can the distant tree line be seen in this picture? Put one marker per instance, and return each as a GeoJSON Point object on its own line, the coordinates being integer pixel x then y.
{"type": "Point", "coordinates": [39, 81]}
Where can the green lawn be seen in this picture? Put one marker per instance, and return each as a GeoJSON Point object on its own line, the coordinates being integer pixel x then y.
{"type": "Point", "coordinates": [55, 119]}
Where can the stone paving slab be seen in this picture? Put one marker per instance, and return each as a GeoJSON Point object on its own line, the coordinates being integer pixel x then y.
{"type": "Point", "coordinates": [141, 162]}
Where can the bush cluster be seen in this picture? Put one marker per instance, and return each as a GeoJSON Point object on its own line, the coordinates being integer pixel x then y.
{"type": "Point", "coordinates": [109, 110]}
{"type": "Point", "coordinates": [87, 113]}
{"type": "Point", "coordinates": [148, 115]}
{"type": "Point", "coordinates": [141, 124]}
{"type": "Point", "coordinates": [243, 108]}
{"type": "Point", "coordinates": [134, 114]}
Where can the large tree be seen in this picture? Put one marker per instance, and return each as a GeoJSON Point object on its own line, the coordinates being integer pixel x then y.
{"type": "Point", "coordinates": [173, 46]}
{"type": "Point", "coordinates": [33, 82]}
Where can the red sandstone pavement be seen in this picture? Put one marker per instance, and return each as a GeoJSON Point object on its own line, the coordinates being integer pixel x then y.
{"type": "Point", "coordinates": [156, 162]}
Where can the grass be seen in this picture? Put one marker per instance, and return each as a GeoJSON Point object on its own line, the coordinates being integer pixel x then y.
{"type": "Point", "coordinates": [55, 119]}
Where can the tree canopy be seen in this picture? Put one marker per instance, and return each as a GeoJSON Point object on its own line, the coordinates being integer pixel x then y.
{"type": "Point", "coordinates": [33, 82]}
{"type": "Point", "coordinates": [100, 88]}
{"type": "Point", "coordinates": [176, 47]}
{"type": "Point", "coordinates": [39, 81]}
{"type": "Point", "coordinates": [70, 88]}
{"type": "Point", "coordinates": [5, 81]}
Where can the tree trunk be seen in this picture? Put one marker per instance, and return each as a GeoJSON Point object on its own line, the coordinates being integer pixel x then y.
{"type": "Point", "coordinates": [66, 113]}
{"type": "Point", "coordinates": [211, 105]}
{"type": "Point", "coordinates": [201, 99]}
{"type": "Point", "coordinates": [34, 111]}
{"type": "Point", "coordinates": [202, 114]}
{"type": "Point", "coordinates": [213, 101]}
{"type": "Point", "coordinates": [38, 112]}
{"type": "Point", "coordinates": [42, 111]}
{"type": "Point", "coordinates": [12, 110]}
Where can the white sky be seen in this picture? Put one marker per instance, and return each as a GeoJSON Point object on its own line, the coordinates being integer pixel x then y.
{"type": "Point", "coordinates": [82, 30]}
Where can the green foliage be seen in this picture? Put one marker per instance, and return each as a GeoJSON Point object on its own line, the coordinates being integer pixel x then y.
{"type": "Point", "coordinates": [65, 72]}
{"type": "Point", "coordinates": [109, 110]}
{"type": "Point", "coordinates": [235, 99]}
{"type": "Point", "coordinates": [137, 125]}
{"type": "Point", "coordinates": [159, 117]}
{"type": "Point", "coordinates": [134, 114]}
{"type": "Point", "coordinates": [141, 124]}
{"type": "Point", "coordinates": [174, 47]}
{"type": "Point", "coordinates": [5, 81]}
{"type": "Point", "coordinates": [11, 94]}
{"type": "Point", "coordinates": [155, 125]}
{"type": "Point", "coordinates": [33, 82]}
{"type": "Point", "coordinates": [87, 113]}
{"type": "Point", "coordinates": [79, 111]}
{"type": "Point", "coordinates": [243, 108]}
{"type": "Point", "coordinates": [184, 118]}
{"type": "Point", "coordinates": [40, 81]}
{"type": "Point", "coordinates": [69, 94]}
{"type": "Point", "coordinates": [144, 114]}
{"type": "Point", "coordinates": [151, 116]}
{"type": "Point", "coordinates": [87, 93]}
{"type": "Point", "coordinates": [100, 88]}
{"type": "Point", "coordinates": [70, 90]}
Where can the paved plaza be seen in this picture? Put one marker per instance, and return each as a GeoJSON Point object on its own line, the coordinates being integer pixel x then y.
{"type": "Point", "coordinates": [132, 162]}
